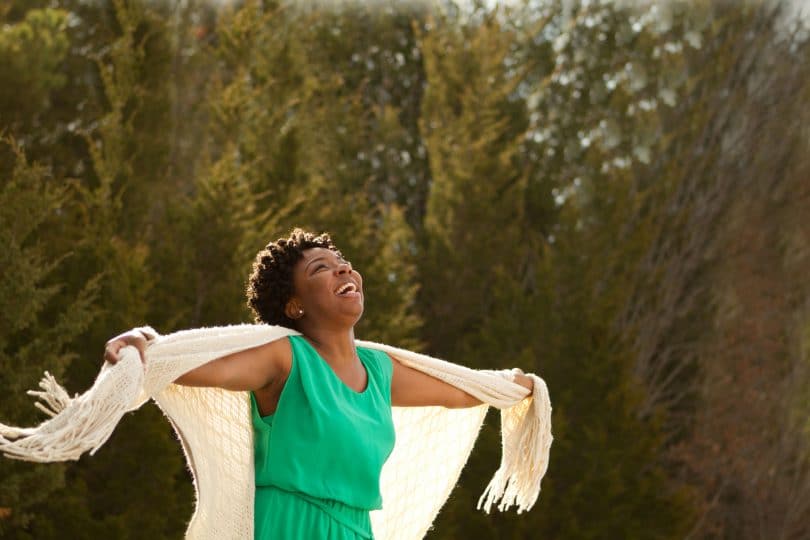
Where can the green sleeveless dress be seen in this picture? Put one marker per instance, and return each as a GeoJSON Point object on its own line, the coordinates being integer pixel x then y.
{"type": "Point", "coordinates": [318, 457]}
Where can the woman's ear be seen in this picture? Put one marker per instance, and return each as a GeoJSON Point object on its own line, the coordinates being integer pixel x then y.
{"type": "Point", "coordinates": [293, 309]}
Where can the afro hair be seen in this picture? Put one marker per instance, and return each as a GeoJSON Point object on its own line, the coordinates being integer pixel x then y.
{"type": "Point", "coordinates": [270, 285]}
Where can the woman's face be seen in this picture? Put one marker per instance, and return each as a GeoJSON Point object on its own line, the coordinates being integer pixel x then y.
{"type": "Point", "coordinates": [327, 288]}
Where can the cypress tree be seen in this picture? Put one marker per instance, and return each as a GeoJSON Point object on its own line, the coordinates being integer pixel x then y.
{"type": "Point", "coordinates": [31, 51]}
{"type": "Point", "coordinates": [536, 299]}
{"type": "Point", "coordinates": [107, 231]}
{"type": "Point", "coordinates": [39, 327]}
{"type": "Point", "coordinates": [285, 142]}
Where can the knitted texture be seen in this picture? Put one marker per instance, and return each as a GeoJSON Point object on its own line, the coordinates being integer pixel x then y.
{"type": "Point", "coordinates": [214, 428]}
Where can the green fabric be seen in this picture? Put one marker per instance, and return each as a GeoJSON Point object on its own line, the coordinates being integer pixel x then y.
{"type": "Point", "coordinates": [318, 457]}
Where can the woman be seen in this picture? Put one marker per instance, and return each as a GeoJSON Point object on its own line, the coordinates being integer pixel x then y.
{"type": "Point", "coordinates": [321, 406]}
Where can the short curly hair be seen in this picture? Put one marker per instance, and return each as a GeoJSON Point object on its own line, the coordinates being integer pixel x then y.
{"type": "Point", "coordinates": [270, 285]}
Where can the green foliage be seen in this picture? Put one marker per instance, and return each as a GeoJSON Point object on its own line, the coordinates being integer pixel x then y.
{"type": "Point", "coordinates": [472, 129]}
{"type": "Point", "coordinates": [206, 248]}
{"type": "Point", "coordinates": [286, 128]}
{"type": "Point", "coordinates": [39, 332]}
{"type": "Point", "coordinates": [539, 301]}
{"type": "Point", "coordinates": [102, 228]}
{"type": "Point", "coordinates": [535, 185]}
{"type": "Point", "coordinates": [30, 54]}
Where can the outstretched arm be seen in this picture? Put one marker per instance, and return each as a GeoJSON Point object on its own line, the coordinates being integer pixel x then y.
{"type": "Point", "coordinates": [248, 369]}
{"type": "Point", "coordinates": [412, 388]}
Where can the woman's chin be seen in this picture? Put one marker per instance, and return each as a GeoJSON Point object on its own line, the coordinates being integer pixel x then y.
{"type": "Point", "coordinates": [347, 309]}
{"type": "Point", "coordinates": [356, 314]}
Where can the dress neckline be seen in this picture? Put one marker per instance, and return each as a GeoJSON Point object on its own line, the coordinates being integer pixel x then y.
{"type": "Point", "coordinates": [335, 375]}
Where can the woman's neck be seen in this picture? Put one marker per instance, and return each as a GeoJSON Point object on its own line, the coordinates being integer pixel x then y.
{"type": "Point", "coordinates": [335, 345]}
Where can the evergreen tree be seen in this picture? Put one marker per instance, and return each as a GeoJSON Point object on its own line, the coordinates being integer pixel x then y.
{"type": "Point", "coordinates": [536, 302]}
{"type": "Point", "coordinates": [284, 153]}
{"type": "Point", "coordinates": [31, 51]}
{"type": "Point", "coordinates": [355, 133]}
{"type": "Point", "coordinates": [38, 330]}
{"type": "Point", "coordinates": [106, 230]}
{"type": "Point", "coordinates": [371, 49]}
{"type": "Point", "coordinates": [471, 126]}
{"type": "Point", "coordinates": [610, 195]}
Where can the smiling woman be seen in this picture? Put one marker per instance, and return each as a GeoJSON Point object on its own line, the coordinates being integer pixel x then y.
{"type": "Point", "coordinates": [320, 405]}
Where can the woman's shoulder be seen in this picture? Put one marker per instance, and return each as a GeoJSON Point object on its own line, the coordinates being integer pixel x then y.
{"type": "Point", "coordinates": [377, 359]}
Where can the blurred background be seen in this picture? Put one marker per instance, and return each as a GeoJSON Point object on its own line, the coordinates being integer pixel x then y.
{"type": "Point", "coordinates": [613, 195]}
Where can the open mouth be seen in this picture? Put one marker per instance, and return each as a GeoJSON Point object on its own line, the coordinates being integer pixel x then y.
{"type": "Point", "coordinates": [347, 289]}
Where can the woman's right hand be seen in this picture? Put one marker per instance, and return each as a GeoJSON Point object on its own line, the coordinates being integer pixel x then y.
{"type": "Point", "coordinates": [113, 347]}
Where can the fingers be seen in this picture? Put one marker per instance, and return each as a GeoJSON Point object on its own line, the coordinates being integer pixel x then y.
{"type": "Point", "coordinates": [525, 381]}
{"type": "Point", "coordinates": [110, 356]}
{"type": "Point", "coordinates": [112, 349]}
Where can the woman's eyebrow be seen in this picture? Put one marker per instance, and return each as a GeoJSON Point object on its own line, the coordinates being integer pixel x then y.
{"type": "Point", "coordinates": [312, 261]}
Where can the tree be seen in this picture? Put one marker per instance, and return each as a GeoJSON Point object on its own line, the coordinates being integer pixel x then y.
{"type": "Point", "coordinates": [105, 227]}
{"type": "Point", "coordinates": [537, 298]}
{"type": "Point", "coordinates": [38, 334]}
{"type": "Point", "coordinates": [284, 150]}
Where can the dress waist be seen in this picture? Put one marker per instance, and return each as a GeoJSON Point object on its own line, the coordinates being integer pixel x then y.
{"type": "Point", "coordinates": [356, 519]}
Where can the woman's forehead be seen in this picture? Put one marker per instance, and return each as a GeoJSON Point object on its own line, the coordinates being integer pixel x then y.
{"type": "Point", "coordinates": [312, 254]}
{"type": "Point", "coordinates": [316, 252]}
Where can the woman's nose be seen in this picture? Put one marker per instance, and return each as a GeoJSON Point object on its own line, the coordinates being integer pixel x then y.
{"type": "Point", "coordinates": [343, 268]}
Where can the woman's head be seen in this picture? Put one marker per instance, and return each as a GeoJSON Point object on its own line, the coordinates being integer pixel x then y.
{"type": "Point", "coordinates": [304, 278]}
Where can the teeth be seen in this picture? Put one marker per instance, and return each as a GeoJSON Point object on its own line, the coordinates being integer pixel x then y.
{"type": "Point", "coordinates": [346, 288]}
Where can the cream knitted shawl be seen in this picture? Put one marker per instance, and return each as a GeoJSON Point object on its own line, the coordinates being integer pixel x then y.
{"type": "Point", "coordinates": [214, 427]}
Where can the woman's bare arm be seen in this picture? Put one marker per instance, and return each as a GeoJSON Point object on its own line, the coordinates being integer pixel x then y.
{"type": "Point", "coordinates": [412, 388]}
{"type": "Point", "coordinates": [248, 369]}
